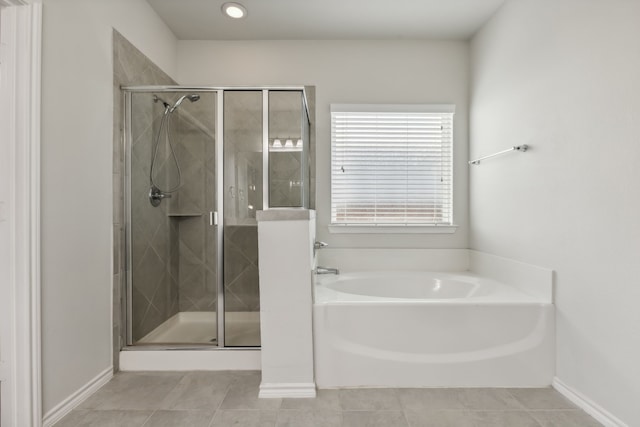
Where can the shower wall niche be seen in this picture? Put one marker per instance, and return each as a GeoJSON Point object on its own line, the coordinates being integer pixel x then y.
{"type": "Point", "coordinates": [208, 159]}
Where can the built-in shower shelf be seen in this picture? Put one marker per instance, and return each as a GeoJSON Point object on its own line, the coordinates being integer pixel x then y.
{"type": "Point", "coordinates": [183, 215]}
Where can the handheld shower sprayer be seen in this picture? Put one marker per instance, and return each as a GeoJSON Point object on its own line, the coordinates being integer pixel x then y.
{"type": "Point", "coordinates": [192, 97]}
{"type": "Point", "coordinates": [156, 193]}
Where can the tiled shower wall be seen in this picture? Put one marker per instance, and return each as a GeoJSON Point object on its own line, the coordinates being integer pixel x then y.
{"type": "Point", "coordinates": [241, 283]}
{"type": "Point", "coordinates": [131, 67]}
{"type": "Point", "coordinates": [285, 179]}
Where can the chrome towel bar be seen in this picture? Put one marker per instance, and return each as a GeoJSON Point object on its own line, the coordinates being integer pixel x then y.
{"type": "Point", "coordinates": [522, 148]}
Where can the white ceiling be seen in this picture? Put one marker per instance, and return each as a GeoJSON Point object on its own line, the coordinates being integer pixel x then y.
{"type": "Point", "coordinates": [327, 19]}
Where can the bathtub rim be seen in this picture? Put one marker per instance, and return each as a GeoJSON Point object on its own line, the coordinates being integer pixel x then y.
{"type": "Point", "coordinates": [502, 293]}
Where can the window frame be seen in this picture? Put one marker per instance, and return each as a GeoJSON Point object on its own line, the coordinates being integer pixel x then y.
{"type": "Point", "coordinates": [400, 228]}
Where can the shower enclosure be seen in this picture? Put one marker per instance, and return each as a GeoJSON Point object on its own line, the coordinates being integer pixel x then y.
{"type": "Point", "coordinates": [200, 161]}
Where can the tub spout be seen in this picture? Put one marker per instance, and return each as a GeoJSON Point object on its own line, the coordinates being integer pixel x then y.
{"type": "Point", "coordinates": [326, 270]}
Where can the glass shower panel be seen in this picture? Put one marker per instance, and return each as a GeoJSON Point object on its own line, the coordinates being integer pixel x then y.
{"type": "Point", "coordinates": [306, 162]}
{"type": "Point", "coordinates": [286, 149]}
{"type": "Point", "coordinates": [172, 267]}
{"type": "Point", "coordinates": [243, 196]}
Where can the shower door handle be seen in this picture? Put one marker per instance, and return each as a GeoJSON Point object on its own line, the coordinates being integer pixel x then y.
{"type": "Point", "coordinates": [213, 218]}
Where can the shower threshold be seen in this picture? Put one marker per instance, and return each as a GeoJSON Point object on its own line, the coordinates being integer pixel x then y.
{"type": "Point", "coordinates": [242, 329]}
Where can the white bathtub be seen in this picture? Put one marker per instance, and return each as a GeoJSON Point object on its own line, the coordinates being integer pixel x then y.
{"type": "Point", "coordinates": [425, 329]}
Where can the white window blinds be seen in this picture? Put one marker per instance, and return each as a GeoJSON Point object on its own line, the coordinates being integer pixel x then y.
{"type": "Point", "coordinates": [391, 164]}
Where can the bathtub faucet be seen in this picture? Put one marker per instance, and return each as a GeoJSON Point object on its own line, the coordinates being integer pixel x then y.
{"type": "Point", "coordinates": [326, 270]}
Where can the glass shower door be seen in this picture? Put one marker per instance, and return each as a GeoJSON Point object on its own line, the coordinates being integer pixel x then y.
{"type": "Point", "coordinates": [172, 292]}
{"type": "Point", "coordinates": [243, 196]}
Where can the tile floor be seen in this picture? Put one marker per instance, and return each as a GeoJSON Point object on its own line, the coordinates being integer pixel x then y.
{"type": "Point", "coordinates": [213, 399]}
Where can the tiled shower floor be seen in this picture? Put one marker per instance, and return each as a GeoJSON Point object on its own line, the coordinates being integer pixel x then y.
{"type": "Point", "coordinates": [199, 327]}
{"type": "Point", "coordinates": [213, 399]}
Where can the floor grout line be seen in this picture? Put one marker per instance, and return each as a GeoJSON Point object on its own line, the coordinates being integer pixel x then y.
{"type": "Point", "coordinates": [221, 401]}
{"type": "Point", "coordinates": [406, 418]}
{"type": "Point", "coordinates": [148, 418]}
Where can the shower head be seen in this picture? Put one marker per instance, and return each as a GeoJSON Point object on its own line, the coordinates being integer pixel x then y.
{"type": "Point", "coordinates": [191, 97]}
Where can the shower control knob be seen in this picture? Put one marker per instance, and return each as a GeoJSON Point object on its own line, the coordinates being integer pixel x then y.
{"type": "Point", "coordinates": [156, 196]}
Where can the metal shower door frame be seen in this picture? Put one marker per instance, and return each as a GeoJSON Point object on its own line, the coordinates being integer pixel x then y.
{"type": "Point", "coordinates": [219, 197]}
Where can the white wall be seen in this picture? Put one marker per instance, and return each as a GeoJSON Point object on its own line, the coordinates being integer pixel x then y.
{"type": "Point", "coordinates": [349, 72]}
{"type": "Point", "coordinates": [6, 224]}
{"type": "Point", "coordinates": [563, 77]}
{"type": "Point", "coordinates": [77, 115]}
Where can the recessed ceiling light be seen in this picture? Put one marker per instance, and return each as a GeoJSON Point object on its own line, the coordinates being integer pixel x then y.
{"type": "Point", "coordinates": [234, 10]}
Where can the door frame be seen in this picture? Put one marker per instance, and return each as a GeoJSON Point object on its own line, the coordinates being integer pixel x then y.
{"type": "Point", "coordinates": [20, 354]}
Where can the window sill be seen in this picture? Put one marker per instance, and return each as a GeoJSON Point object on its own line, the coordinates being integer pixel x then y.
{"type": "Point", "coordinates": [392, 229]}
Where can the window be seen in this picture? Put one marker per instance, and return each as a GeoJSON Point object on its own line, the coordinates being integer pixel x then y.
{"type": "Point", "coordinates": [391, 165]}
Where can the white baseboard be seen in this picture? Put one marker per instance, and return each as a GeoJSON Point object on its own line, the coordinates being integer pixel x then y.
{"type": "Point", "coordinates": [190, 360]}
{"type": "Point", "coordinates": [588, 405]}
{"type": "Point", "coordinates": [72, 402]}
{"type": "Point", "coordinates": [295, 390]}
